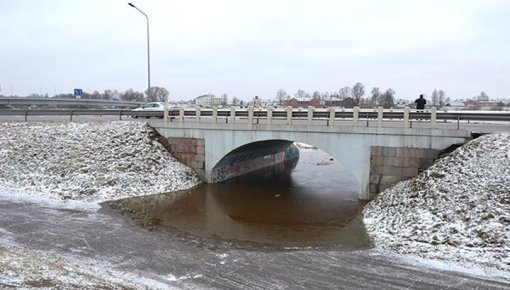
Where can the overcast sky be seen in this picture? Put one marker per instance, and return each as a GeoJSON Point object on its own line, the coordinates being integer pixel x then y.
{"type": "Point", "coordinates": [248, 48]}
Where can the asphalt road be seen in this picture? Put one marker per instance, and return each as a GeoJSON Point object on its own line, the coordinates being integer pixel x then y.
{"type": "Point", "coordinates": [107, 236]}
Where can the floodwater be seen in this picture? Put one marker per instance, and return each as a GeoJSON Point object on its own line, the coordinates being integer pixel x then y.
{"type": "Point", "coordinates": [313, 204]}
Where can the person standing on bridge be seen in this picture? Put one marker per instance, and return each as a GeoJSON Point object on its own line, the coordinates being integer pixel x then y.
{"type": "Point", "coordinates": [420, 103]}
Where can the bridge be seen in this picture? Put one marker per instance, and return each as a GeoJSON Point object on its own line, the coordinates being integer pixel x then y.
{"type": "Point", "coordinates": [379, 147]}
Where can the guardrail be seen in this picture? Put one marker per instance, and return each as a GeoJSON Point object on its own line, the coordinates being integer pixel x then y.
{"type": "Point", "coordinates": [75, 102]}
{"type": "Point", "coordinates": [310, 116]}
{"type": "Point", "coordinates": [81, 112]}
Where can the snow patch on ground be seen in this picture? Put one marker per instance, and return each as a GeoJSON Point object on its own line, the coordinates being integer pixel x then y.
{"type": "Point", "coordinates": [87, 162]}
{"type": "Point", "coordinates": [456, 211]}
{"type": "Point", "coordinates": [25, 268]}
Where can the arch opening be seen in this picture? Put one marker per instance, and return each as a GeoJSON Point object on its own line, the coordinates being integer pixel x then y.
{"type": "Point", "coordinates": [255, 156]}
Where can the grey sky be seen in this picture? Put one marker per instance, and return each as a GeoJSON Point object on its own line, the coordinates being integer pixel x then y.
{"type": "Point", "coordinates": [248, 48]}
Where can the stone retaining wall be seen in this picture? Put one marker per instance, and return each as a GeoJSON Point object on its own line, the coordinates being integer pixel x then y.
{"type": "Point", "coordinates": [389, 165]}
{"type": "Point", "coordinates": [189, 151]}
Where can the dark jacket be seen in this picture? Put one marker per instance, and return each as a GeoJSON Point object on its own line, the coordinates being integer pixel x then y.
{"type": "Point", "coordinates": [420, 103]}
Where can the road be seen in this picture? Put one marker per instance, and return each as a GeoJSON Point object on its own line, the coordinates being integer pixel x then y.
{"type": "Point", "coordinates": [107, 237]}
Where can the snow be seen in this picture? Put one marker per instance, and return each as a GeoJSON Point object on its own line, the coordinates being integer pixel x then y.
{"type": "Point", "coordinates": [456, 211]}
{"type": "Point", "coordinates": [27, 268]}
{"type": "Point", "coordinates": [79, 165]}
{"type": "Point", "coordinates": [86, 162]}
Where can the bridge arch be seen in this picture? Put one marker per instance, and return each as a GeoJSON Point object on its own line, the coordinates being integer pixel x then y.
{"type": "Point", "coordinates": [253, 156]}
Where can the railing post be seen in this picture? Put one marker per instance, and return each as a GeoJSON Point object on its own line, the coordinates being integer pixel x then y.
{"type": "Point", "coordinates": [289, 115]}
{"type": "Point", "coordinates": [232, 115]}
{"type": "Point", "coordinates": [355, 116]}
{"type": "Point", "coordinates": [250, 115]}
{"type": "Point", "coordinates": [215, 114]}
{"type": "Point", "coordinates": [165, 115]}
{"type": "Point", "coordinates": [181, 114]}
{"type": "Point", "coordinates": [71, 116]}
{"type": "Point", "coordinates": [269, 115]}
{"type": "Point", "coordinates": [433, 117]}
{"type": "Point", "coordinates": [380, 112]}
{"type": "Point", "coordinates": [310, 115]}
{"type": "Point", "coordinates": [331, 116]}
{"type": "Point", "coordinates": [197, 114]}
{"type": "Point", "coordinates": [406, 117]}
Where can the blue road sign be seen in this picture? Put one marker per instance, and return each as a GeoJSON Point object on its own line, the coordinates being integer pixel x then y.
{"type": "Point", "coordinates": [78, 92]}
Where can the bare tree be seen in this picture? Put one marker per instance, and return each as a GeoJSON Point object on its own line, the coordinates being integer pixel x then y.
{"type": "Point", "coordinates": [388, 99]}
{"type": "Point", "coordinates": [236, 101]}
{"type": "Point", "coordinates": [344, 92]}
{"type": "Point", "coordinates": [325, 96]}
{"type": "Point", "coordinates": [133, 96]}
{"type": "Point", "coordinates": [108, 95]}
{"type": "Point", "coordinates": [375, 95]}
{"type": "Point", "coordinates": [115, 95]}
{"type": "Point", "coordinates": [358, 91]}
{"type": "Point", "coordinates": [157, 94]}
{"type": "Point", "coordinates": [96, 95]}
{"type": "Point", "coordinates": [281, 96]}
{"type": "Point", "coordinates": [442, 98]}
{"type": "Point", "coordinates": [224, 99]}
{"type": "Point", "coordinates": [483, 97]}
{"type": "Point", "coordinates": [434, 99]}
{"type": "Point", "coordinates": [301, 94]}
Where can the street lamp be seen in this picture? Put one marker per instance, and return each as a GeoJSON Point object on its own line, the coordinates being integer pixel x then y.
{"type": "Point", "coordinates": [148, 53]}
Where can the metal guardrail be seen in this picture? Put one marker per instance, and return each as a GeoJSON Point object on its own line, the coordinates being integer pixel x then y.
{"type": "Point", "coordinates": [230, 114]}
{"type": "Point", "coordinates": [81, 112]}
{"type": "Point", "coordinates": [75, 102]}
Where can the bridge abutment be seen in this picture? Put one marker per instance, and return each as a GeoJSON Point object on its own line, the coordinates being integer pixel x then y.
{"type": "Point", "coordinates": [189, 151]}
{"type": "Point", "coordinates": [389, 165]}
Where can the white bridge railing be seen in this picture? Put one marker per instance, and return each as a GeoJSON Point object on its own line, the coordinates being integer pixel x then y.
{"type": "Point", "coordinates": [405, 118]}
{"type": "Point", "coordinates": [331, 116]}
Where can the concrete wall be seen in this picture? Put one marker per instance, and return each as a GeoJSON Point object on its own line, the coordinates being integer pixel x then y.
{"type": "Point", "coordinates": [389, 165]}
{"type": "Point", "coordinates": [350, 145]}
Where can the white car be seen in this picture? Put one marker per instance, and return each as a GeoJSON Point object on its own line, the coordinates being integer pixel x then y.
{"type": "Point", "coordinates": [153, 106]}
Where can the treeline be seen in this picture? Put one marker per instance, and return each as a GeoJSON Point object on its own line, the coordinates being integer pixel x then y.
{"type": "Point", "coordinates": [157, 94]}
{"type": "Point", "coordinates": [359, 95]}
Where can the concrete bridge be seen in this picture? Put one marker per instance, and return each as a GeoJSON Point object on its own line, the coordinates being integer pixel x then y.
{"type": "Point", "coordinates": [377, 156]}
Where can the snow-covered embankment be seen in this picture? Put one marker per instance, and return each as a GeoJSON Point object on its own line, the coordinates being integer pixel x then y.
{"type": "Point", "coordinates": [457, 210]}
{"type": "Point", "coordinates": [93, 161]}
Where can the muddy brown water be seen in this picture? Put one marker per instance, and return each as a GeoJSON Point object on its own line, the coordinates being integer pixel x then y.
{"type": "Point", "coordinates": [313, 204]}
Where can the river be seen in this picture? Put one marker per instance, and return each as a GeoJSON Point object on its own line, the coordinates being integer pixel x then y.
{"type": "Point", "coordinates": [313, 204]}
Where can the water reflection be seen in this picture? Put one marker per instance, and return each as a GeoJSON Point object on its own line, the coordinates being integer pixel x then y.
{"type": "Point", "coordinates": [314, 204]}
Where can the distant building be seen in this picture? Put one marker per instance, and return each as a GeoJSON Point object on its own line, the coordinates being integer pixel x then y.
{"type": "Point", "coordinates": [208, 101]}
{"type": "Point", "coordinates": [257, 102]}
{"type": "Point", "coordinates": [456, 104]}
{"type": "Point", "coordinates": [402, 103]}
{"type": "Point", "coordinates": [348, 103]}
{"type": "Point", "coordinates": [302, 102]}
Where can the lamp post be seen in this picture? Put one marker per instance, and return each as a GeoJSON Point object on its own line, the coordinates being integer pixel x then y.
{"type": "Point", "coordinates": [148, 53]}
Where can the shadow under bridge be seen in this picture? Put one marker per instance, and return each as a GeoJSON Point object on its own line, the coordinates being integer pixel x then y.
{"type": "Point", "coordinates": [255, 156]}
